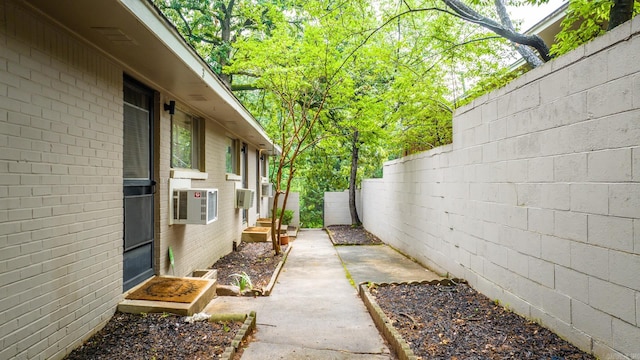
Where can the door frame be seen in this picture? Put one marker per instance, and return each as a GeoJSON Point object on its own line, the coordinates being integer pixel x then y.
{"type": "Point", "coordinates": [154, 128]}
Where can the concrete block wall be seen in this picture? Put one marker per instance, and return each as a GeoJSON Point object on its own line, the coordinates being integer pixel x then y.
{"type": "Point", "coordinates": [336, 207]}
{"type": "Point", "coordinates": [537, 200]}
{"type": "Point", "coordinates": [293, 204]}
{"type": "Point", "coordinates": [60, 187]}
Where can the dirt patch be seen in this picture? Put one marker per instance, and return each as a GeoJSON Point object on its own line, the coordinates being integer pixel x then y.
{"type": "Point", "coordinates": [350, 235]}
{"type": "Point", "coordinates": [256, 259]}
{"type": "Point", "coordinates": [157, 336]}
{"type": "Point", "coordinates": [456, 322]}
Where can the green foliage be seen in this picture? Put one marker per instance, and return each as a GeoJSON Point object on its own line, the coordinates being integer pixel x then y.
{"type": "Point", "coordinates": [495, 81]}
{"type": "Point", "coordinates": [211, 27]}
{"type": "Point", "coordinates": [585, 20]}
{"type": "Point", "coordinates": [243, 281]}
{"type": "Point", "coordinates": [322, 72]}
{"type": "Point", "coordinates": [286, 218]}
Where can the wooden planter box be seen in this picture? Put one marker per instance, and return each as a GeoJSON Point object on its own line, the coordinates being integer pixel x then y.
{"type": "Point", "coordinates": [266, 222]}
{"type": "Point", "coordinates": [256, 234]}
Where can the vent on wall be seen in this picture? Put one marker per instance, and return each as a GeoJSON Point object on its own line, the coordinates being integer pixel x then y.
{"type": "Point", "coordinates": [195, 206]}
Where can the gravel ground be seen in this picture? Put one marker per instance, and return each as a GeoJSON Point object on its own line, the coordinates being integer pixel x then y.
{"type": "Point", "coordinates": [350, 235]}
{"type": "Point", "coordinates": [156, 336]}
{"type": "Point", "coordinates": [441, 322]}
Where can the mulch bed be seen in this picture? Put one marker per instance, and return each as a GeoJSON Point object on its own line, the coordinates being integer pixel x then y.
{"type": "Point", "coordinates": [168, 336]}
{"type": "Point", "coordinates": [258, 260]}
{"type": "Point", "coordinates": [157, 336]}
{"type": "Point", "coordinates": [351, 235]}
{"type": "Point", "coordinates": [456, 322]}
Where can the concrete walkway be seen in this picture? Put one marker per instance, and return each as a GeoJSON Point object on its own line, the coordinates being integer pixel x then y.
{"type": "Point", "coordinates": [381, 263]}
{"type": "Point", "coordinates": [314, 312]}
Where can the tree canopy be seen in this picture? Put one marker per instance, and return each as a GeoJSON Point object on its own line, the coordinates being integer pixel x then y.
{"type": "Point", "coordinates": [344, 86]}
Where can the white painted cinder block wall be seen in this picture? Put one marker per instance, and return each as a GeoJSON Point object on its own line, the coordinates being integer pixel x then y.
{"type": "Point", "coordinates": [293, 204]}
{"type": "Point", "coordinates": [537, 200]}
{"type": "Point", "coordinates": [336, 207]}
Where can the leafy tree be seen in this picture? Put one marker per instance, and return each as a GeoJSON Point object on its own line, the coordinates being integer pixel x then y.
{"type": "Point", "coordinates": [588, 19]}
{"type": "Point", "coordinates": [593, 17]}
{"type": "Point", "coordinates": [343, 86]}
{"type": "Point", "coordinates": [297, 69]}
{"type": "Point", "coordinates": [483, 15]}
{"type": "Point", "coordinates": [213, 26]}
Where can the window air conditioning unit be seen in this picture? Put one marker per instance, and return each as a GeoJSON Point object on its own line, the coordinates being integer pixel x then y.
{"type": "Point", "coordinates": [244, 198]}
{"type": "Point", "coordinates": [195, 206]}
{"type": "Point", "coordinates": [266, 190]}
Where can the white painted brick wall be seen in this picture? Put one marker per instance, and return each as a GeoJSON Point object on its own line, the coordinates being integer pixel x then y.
{"type": "Point", "coordinates": [61, 190]}
{"type": "Point", "coordinates": [197, 246]}
{"type": "Point", "coordinates": [60, 184]}
{"type": "Point", "coordinates": [537, 201]}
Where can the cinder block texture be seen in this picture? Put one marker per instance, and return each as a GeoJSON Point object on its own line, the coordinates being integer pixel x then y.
{"type": "Point", "coordinates": [552, 203]}
{"type": "Point", "coordinates": [335, 213]}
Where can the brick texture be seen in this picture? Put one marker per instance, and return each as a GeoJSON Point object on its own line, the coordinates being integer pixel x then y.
{"type": "Point", "coordinates": [61, 183]}
{"type": "Point", "coordinates": [549, 214]}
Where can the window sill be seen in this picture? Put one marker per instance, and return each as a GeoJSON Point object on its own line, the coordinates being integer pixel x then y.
{"type": "Point", "coordinates": [234, 177]}
{"type": "Point", "coordinates": [189, 174]}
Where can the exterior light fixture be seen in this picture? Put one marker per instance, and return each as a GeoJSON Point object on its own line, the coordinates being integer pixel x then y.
{"type": "Point", "coordinates": [170, 107]}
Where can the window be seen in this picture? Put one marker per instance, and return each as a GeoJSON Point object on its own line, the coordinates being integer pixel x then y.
{"type": "Point", "coordinates": [186, 141]}
{"type": "Point", "coordinates": [232, 156]}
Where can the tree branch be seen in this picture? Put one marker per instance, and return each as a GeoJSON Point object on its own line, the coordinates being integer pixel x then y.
{"type": "Point", "coordinates": [245, 87]}
{"type": "Point", "coordinates": [526, 52]}
{"type": "Point", "coordinates": [470, 15]}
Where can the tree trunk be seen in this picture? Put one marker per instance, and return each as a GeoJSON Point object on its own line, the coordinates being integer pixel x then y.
{"type": "Point", "coordinates": [468, 14]}
{"type": "Point", "coordinates": [275, 238]}
{"type": "Point", "coordinates": [225, 32]}
{"type": "Point", "coordinates": [527, 54]}
{"type": "Point", "coordinates": [621, 12]}
{"type": "Point", "coordinates": [355, 149]}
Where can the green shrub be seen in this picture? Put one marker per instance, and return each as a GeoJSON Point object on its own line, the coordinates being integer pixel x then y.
{"type": "Point", "coordinates": [288, 215]}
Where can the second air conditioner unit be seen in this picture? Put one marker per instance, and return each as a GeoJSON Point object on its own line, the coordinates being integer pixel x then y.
{"type": "Point", "coordinates": [194, 206]}
{"type": "Point", "coordinates": [244, 198]}
{"type": "Point", "coordinates": [266, 190]}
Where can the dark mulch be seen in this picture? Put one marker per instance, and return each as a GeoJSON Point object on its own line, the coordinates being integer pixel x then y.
{"type": "Point", "coordinates": [167, 336]}
{"type": "Point", "coordinates": [258, 260]}
{"type": "Point", "coordinates": [352, 235]}
{"type": "Point", "coordinates": [441, 322]}
{"type": "Point", "coordinates": [157, 336]}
